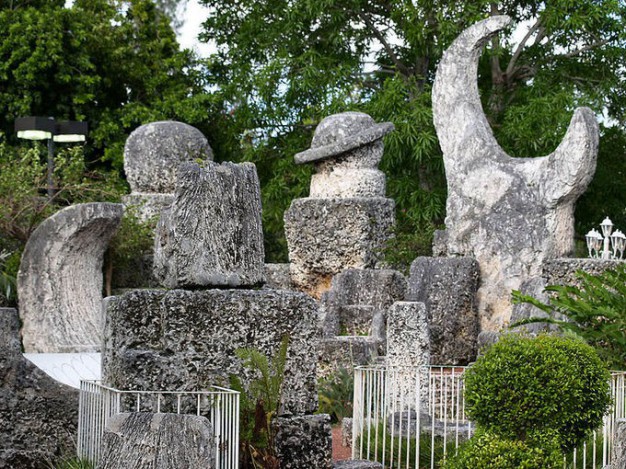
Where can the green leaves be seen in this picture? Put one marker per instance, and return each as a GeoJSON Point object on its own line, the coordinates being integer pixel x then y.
{"type": "Point", "coordinates": [594, 310]}
{"type": "Point", "coordinates": [259, 404]}
{"type": "Point", "coordinates": [523, 387]}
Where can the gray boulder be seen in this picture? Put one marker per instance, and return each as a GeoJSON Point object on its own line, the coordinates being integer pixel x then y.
{"type": "Point", "coordinates": [304, 441]}
{"type": "Point", "coordinates": [408, 351]}
{"type": "Point", "coordinates": [59, 283]}
{"type": "Point", "coordinates": [510, 214]}
{"type": "Point", "coordinates": [157, 441]}
{"type": "Point", "coordinates": [328, 236]}
{"type": "Point", "coordinates": [212, 233]}
{"type": "Point", "coordinates": [153, 152]}
{"type": "Point", "coordinates": [38, 415]}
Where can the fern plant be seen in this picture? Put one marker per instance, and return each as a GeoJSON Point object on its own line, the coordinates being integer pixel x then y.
{"type": "Point", "coordinates": [259, 403]}
{"type": "Point", "coordinates": [335, 395]}
{"type": "Point", "coordinates": [594, 311]}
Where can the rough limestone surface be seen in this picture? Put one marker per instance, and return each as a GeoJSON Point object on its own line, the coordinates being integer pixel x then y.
{"type": "Point", "coordinates": [147, 206]}
{"type": "Point", "coordinates": [511, 214]}
{"type": "Point", "coordinates": [618, 459]}
{"type": "Point", "coordinates": [357, 464]}
{"type": "Point", "coordinates": [304, 441]}
{"type": "Point", "coordinates": [563, 271]}
{"type": "Point", "coordinates": [153, 152]}
{"type": "Point", "coordinates": [448, 286]}
{"type": "Point", "coordinates": [277, 276]}
{"type": "Point", "coordinates": [408, 348]}
{"type": "Point", "coordinates": [38, 415]}
{"type": "Point", "coordinates": [212, 234]}
{"type": "Point", "coordinates": [358, 299]}
{"type": "Point", "coordinates": [59, 283]}
{"type": "Point", "coordinates": [327, 236]}
{"type": "Point", "coordinates": [347, 352]}
{"type": "Point", "coordinates": [143, 440]}
{"type": "Point", "coordinates": [186, 340]}
{"type": "Point", "coordinates": [346, 431]}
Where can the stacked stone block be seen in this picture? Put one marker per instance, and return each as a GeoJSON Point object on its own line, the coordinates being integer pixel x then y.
{"type": "Point", "coordinates": [346, 220]}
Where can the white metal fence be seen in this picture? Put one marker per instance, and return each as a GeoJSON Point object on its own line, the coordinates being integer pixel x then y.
{"type": "Point", "coordinates": [407, 417]}
{"type": "Point", "coordinates": [99, 403]}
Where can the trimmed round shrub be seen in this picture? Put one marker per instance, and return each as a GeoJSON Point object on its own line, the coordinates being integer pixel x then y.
{"type": "Point", "coordinates": [524, 386]}
{"type": "Point", "coordinates": [489, 451]}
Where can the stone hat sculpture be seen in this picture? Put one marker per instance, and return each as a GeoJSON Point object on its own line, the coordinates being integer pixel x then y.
{"type": "Point", "coordinates": [341, 133]}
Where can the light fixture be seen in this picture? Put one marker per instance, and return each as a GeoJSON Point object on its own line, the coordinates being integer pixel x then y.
{"type": "Point", "coordinates": [46, 128]}
{"type": "Point", "coordinates": [70, 132]}
{"type": "Point", "coordinates": [599, 245]}
{"type": "Point", "coordinates": [34, 128]}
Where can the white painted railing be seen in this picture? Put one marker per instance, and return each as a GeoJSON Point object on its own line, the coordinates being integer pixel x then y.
{"type": "Point", "coordinates": [390, 401]}
{"type": "Point", "coordinates": [99, 403]}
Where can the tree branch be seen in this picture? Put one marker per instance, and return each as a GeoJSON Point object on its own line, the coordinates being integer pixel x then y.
{"type": "Point", "coordinates": [579, 51]}
{"type": "Point", "coordinates": [383, 40]}
{"type": "Point", "coordinates": [518, 51]}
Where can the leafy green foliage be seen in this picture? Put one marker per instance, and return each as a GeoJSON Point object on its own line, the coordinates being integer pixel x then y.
{"type": "Point", "coordinates": [23, 183]}
{"type": "Point", "coordinates": [523, 387]}
{"type": "Point", "coordinates": [8, 286]}
{"type": "Point", "coordinates": [283, 65]}
{"type": "Point", "coordinates": [335, 395]}
{"type": "Point", "coordinates": [490, 451]}
{"type": "Point", "coordinates": [595, 310]}
{"type": "Point", "coordinates": [259, 404]}
{"type": "Point", "coordinates": [128, 249]}
{"type": "Point", "coordinates": [115, 64]}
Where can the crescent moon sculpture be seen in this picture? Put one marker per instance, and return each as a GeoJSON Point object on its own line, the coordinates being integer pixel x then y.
{"type": "Point", "coordinates": [511, 214]}
{"type": "Point", "coordinates": [60, 279]}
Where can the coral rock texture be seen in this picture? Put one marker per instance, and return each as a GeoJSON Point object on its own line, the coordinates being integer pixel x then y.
{"type": "Point", "coordinates": [212, 234]}
{"type": "Point", "coordinates": [60, 279]}
{"type": "Point", "coordinates": [510, 214]}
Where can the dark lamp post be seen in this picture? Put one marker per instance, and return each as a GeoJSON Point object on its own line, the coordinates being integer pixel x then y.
{"type": "Point", "coordinates": [46, 128]}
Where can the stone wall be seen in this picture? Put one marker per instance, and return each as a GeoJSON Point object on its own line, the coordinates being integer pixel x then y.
{"type": "Point", "coordinates": [186, 340]}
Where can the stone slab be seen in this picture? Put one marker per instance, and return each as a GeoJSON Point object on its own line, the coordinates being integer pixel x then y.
{"type": "Point", "coordinates": [448, 288]}
{"type": "Point", "coordinates": [59, 283]}
{"type": "Point", "coordinates": [328, 236]}
{"type": "Point", "coordinates": [186, 340]}
{"type": "Point", "coordinates": [304, 441]}
{"type": "Point", "coordinates": [143, 440]}
{"type": "Point", "coordinates": [211, 236]}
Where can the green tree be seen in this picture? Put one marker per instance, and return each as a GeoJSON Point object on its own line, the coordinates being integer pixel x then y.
{"type": "Point", "coordinates": [283, 65]}
{"type": "Point", "coordinates": [115, 64]}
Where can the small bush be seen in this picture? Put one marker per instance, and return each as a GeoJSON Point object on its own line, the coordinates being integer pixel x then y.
{"type": "Point", "coordinates": [489, 451]}
{"type": "Point", "coordinates": [524, 386]}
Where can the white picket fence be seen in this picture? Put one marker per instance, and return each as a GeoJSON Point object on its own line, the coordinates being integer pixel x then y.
{"type": "Point", "coordinates": [99, 403]}
{"type": "Point", "coordinates": [407, 417]}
